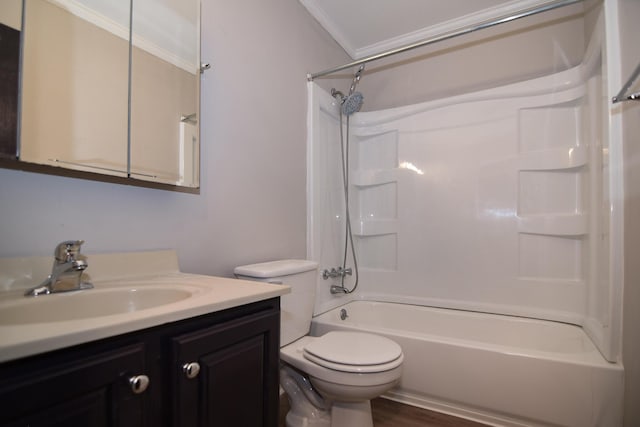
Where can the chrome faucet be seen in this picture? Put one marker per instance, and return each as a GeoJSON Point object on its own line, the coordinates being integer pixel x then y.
{"type": "Point", "coordinates": [336, 272]}
{"type": "Point", "coordinates": [66, 273]}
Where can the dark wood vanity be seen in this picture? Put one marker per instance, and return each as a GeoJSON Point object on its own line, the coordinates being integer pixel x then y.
{"type": "Point", "coordinates": [103, 383]}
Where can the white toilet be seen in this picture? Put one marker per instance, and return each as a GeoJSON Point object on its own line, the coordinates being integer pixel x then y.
{"type": "Point", "coordinates": [331, 379]}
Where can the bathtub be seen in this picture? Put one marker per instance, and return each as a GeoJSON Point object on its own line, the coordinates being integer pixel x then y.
{"type": "Point", "coordinates": [495, 369]}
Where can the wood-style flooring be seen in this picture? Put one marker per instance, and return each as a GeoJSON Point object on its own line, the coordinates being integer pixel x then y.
{"type": "Point", "coordinates": [387, 413]}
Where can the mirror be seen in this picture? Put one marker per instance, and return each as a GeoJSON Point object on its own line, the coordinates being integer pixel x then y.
{"type": "Point", "coordinates": [165, 76]}
{"type": "Point", "coordinates": [111, 88]}
{"type": "Point", "coordinates": [74, 89]}
{"type": "Point", "coordinates": [10, 26]}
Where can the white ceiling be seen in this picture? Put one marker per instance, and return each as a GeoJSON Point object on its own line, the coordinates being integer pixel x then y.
{"type": "Point", "coordinates": [368, 27]}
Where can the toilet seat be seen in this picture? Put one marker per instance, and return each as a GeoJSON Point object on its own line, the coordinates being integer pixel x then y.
{"type": "Point", "coordinates": [354, 368]}
{"type": "Point", "coordinates": [357, 352]}
{"type": "Point", "coordinates": [293, 354]}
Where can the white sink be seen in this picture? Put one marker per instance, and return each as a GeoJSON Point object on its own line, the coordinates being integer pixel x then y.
{"type": "Point", "coordinates": [146, 290]}
{"type": "Point", "coordinates": [89, 303]}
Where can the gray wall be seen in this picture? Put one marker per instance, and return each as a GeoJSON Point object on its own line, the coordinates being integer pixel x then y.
{"type": "Point", "coordinates": [629, 12]}
{"type": "Point", "coordinates": [252, 203]}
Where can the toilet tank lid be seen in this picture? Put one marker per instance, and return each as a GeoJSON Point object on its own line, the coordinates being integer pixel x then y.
{"type": "Point", "coordinates": [278, 268]}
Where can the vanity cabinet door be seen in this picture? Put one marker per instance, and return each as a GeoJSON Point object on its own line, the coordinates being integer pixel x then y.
{"type": "Point", "coordinates": [237, 382]}
{"type": "Point", "coordinates": [66, 390]}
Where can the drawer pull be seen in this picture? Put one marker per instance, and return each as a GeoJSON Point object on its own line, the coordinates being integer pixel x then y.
{"type": "Point", "coordinates": [191, 370]}
{"type": "Point", "coordinates": [139, 383]}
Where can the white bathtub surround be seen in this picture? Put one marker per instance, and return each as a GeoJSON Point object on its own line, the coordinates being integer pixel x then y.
{"type": "Point", "coordinates": [505, 201]}
{"type": "Point", "coordinates": [485, 197]}
{"type": "Point", "coordinates": [495, 201]}
{"type": "Point", "coordinates": [497, 369]}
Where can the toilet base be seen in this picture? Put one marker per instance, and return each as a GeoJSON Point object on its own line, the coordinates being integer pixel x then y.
{"type": "Point", "coordinates": [306, 407]}
{"type": "Point", "coordinates": [351, 414]}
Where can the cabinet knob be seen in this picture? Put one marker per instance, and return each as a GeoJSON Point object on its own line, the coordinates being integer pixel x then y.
{"type": "Point", "coordinates": [139, 383]}
{"type": "Point", "coordinates": [191, 370]}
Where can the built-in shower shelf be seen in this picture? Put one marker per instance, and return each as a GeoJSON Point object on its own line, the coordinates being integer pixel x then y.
{"type": "Point", "coordinates": [554, 158]}
{"type": "Point", "coordinates": [375, 227]}
{"type": "Point", "coordinates": [364, 178]}
{"type": "Point", "coordinates": [567, 225]}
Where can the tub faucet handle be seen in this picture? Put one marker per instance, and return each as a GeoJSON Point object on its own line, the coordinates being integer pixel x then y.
{"type": "Point", "coordinates": [336, 272]}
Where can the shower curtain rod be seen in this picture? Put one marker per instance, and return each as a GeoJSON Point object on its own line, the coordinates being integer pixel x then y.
{"type": "Point", "coordinates": [448, 35]}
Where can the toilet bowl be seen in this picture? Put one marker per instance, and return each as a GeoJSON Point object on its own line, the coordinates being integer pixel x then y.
{"type": "Point", "coordinates": [347, 376]}
{"type": "Point", "coordinates": [330, 379]}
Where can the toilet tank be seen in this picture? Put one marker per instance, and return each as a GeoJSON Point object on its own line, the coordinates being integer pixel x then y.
{"type": "Point", "coordinates": [296, 308]}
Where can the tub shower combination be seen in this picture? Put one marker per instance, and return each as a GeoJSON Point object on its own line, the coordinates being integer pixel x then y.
{"type": "Point", "coordinates": [484, 231]}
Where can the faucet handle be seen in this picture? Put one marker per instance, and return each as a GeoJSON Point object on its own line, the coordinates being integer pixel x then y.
{"type": "Point", "coordinates": [68, 250]}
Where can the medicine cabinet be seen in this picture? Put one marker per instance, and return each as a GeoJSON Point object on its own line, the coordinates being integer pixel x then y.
{"type": "Point", "coordinates": [102, 89]}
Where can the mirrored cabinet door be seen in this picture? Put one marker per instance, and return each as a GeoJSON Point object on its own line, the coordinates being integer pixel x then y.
{"type": "Point", "coordinates": [75, 84]}
{"type": "Point", "coordinates": [165, 76]}
{"type": "Point", "coordinates": [106, 90]}
{"type": "Point", "coordinates": [10, 26]}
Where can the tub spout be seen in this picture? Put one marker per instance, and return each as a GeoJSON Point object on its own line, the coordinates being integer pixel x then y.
{"type": "Point", "coordinates": [337, 289]}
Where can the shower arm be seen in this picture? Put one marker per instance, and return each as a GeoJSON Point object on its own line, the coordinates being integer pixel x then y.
{"type": "Point", "coordinates": [448, 35]}
{"type": "Point", "coordinates": [356, 79]}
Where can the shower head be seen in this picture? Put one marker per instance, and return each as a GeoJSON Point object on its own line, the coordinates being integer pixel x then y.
{"type": "Point", "coordinates": [352, 103]}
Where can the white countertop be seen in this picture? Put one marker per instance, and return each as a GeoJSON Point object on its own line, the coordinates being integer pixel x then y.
{"type": "Point", "coordinates": [210, 294]}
